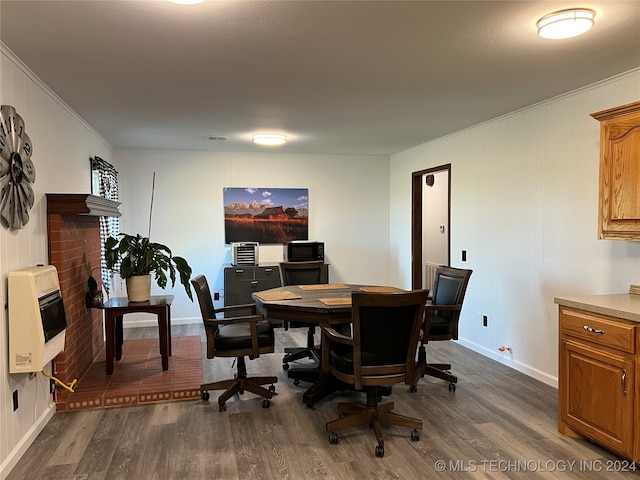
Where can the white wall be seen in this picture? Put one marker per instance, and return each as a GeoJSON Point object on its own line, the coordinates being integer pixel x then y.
{"type": "Point", "coordinates": [524, 206]}
{"type": "Point", "coordinates": [348, 210]}
{"type": "Point", "coordinates": [62, 146]}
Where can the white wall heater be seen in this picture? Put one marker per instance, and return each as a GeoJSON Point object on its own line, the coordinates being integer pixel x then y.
{"type": "Point", "coordinates": [37, 320]}
{"type": "Point", "coordinates": [430, 270]}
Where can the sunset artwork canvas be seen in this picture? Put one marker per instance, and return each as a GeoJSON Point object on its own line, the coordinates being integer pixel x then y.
{"type": "Point", "coordinates": [265, 215]}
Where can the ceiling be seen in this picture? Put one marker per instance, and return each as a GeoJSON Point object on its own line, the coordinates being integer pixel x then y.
{"type": "Point", "coordinates": [336, 77]}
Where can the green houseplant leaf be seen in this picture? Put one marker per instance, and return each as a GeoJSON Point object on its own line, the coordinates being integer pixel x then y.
{"type": "Point", "coordinates": [137, 255]}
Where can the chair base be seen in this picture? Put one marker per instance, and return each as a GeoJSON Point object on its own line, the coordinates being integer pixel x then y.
{"type": "Point", "coordinates": [437, 370]}
{"type": "Point", "coordinates": [299, 353]}
{"type": "Point", "coordinates": [441, 371]}
{"type": "Point", "coordinates": [375, 415]}
{"type": "Point", "coordinates": [307, 372]}
{"type": "Point", "coordinates": [239, 384]}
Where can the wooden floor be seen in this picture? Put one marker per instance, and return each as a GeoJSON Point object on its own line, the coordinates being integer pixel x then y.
{"type": "Point", "coordinates": [498, 424]}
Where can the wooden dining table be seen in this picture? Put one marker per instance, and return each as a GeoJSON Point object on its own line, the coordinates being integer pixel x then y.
{"type": "Point", "coordinates": [323, 304]}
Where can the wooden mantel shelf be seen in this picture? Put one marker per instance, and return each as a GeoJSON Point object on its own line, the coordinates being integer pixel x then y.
{"type": "Point", "coordinates": [82, 204]}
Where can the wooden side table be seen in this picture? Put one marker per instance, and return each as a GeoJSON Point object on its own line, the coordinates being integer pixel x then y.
{"type": "Point", "coordinates": [115, 308]}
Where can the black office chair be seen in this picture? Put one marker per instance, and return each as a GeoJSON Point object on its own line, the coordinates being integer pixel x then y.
{"type": "Point", "coordinates": [381, 352]}
{"type": "Point", "coordinates": [237, 337]}
{"type": "Point", "coordinates": [441, 320]}
{"type": "Point", "coordinates": [302, 273]}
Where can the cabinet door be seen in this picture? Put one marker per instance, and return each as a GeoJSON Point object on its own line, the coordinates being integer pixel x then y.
{"type": "Point", "coordinates": [598, 394]}
{"type": "Point", "coordinates": [268, 277]}
{"type": "Point", "coordinates": [619, 202]}
{"type": "Point", "coordinates": [237, 288]}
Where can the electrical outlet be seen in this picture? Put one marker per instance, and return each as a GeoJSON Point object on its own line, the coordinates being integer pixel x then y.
{"type": "Point", "coordinates": [464, 255]}
{"type": "Point", "coordinates": [216, 296]}
{"type": "Point", "coordinates": [15, 400]}
{"type": "Point", "coordinates": [52, 387]}
{"type": "Point", "coordinates": [485, 321]}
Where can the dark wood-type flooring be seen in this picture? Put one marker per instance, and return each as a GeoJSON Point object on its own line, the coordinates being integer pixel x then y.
{"type": "Point", "coordinates": [498, 424]}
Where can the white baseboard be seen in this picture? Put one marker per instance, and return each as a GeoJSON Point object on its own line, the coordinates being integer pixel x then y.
{"type": "Point", "coordinates": [516, 365]}
{"type": "Point", "coordinates": [16, 454]}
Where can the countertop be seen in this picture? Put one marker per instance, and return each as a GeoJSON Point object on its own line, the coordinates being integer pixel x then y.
{"type": "Point", "coordinates": [623, 305]}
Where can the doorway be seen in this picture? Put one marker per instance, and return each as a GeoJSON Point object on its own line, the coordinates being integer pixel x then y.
{"type": "Point", "coordinates": [430, 220]}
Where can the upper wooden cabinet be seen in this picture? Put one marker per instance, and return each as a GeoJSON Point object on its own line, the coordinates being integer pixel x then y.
{"type": "Point", "coordinates": [619, 195]}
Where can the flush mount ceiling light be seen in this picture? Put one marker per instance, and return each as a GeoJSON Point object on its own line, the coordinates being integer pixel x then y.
{"type": "Point", "coordinates": [269, 139]}
{"type": "Point", "coordinates": [187, 2]}
{"type": "Point", "coordinates": [566, 23]}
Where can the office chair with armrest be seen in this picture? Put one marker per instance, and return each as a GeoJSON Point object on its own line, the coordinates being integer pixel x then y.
{"type": "Point", "coordinates": [238, 337]}
{"type": "Point", "coordinates": [302, 273]}
{"type": "Point", "coordinates": [441, 320]}
{"type": "Point", "coordinates": [381, 352]}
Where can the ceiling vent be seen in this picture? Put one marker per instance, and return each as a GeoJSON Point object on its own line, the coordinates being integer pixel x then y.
{"type": "Point", "coordinates": [218, 138]}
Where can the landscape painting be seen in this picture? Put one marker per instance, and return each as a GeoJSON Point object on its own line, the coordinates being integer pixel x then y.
{"type": "Point", "coordinates": [265, 215]}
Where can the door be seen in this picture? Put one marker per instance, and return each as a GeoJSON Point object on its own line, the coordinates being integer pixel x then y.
{"type": "Point", "coordinates": [430, 219]}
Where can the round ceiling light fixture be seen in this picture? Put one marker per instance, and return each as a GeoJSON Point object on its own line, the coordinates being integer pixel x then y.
{"type": "Point", "coordinates": [187, 2]}
{"type": "Point", "coordinates": [269, 139]}
{"type": "Point", "coordinates": [566, 23]}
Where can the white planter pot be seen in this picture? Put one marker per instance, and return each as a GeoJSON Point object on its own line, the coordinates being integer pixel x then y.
{"type": "Point", "coordinates": [139, 288]}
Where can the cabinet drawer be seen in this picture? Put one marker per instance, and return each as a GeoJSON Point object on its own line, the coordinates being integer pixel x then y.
{"type": "Point", "coordinates": [598, 329]}
{"type": "Point", "coordinates": [238, 273]}
{"type": "Point", "coordinates": [269, 273]}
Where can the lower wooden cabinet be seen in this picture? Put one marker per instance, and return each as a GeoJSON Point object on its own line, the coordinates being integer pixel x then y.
{"type": "Point", "coordinates": [597, 379]}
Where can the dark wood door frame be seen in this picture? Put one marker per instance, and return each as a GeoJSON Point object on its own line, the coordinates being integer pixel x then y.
{"type": "Point", "coordinates": [416, 221]}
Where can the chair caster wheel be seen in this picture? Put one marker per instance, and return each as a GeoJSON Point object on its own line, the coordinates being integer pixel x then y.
{"type": "Point", "coordinates": [452, 387]}
{"type": "Point", "coordinates": [413, 388]}
{"type": "Point", "coordinates": [333, 438]}
{"type": "Point", "coordinates": [379, 451]}
{"type": "Point", "coordinates": [309, 404]}
{"type": "Point", "coordinates": [415, 435]}
{"type": "Point", "coordinates": [222, 407]}
{"type": "Point", "coordinates": [285, 366]}
{"type": "Point", "coordinates": [296, 382]}
{"type": "Point", "coordinates": [266, 403]}
{"type": "Point", "coordinates": [272, 389]}
{"type": "Point", "coordinates": [205, 396]}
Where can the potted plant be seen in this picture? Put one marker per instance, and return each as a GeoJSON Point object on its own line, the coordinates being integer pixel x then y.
{"type": "Point", "coordinates": [136, 256]}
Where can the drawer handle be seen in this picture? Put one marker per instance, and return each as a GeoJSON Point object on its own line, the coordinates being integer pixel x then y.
{"type": "Point", "coordinates": [593, 330]}
{"type": "Point", "coordinates": [239, 272]}
{"type": "Point", "coordinates": [623, 382]}
{"type": "Point", "coordinates": [254, 284]}
{"type": "Point", "coordinates": [268, 271]}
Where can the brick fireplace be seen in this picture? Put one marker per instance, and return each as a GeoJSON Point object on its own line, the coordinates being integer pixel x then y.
{"type": "Point", "coordinates": [74, 249]}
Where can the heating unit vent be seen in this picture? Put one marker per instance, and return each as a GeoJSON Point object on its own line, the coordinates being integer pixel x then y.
{"type": "Point", "coordinates": [430, 275]}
